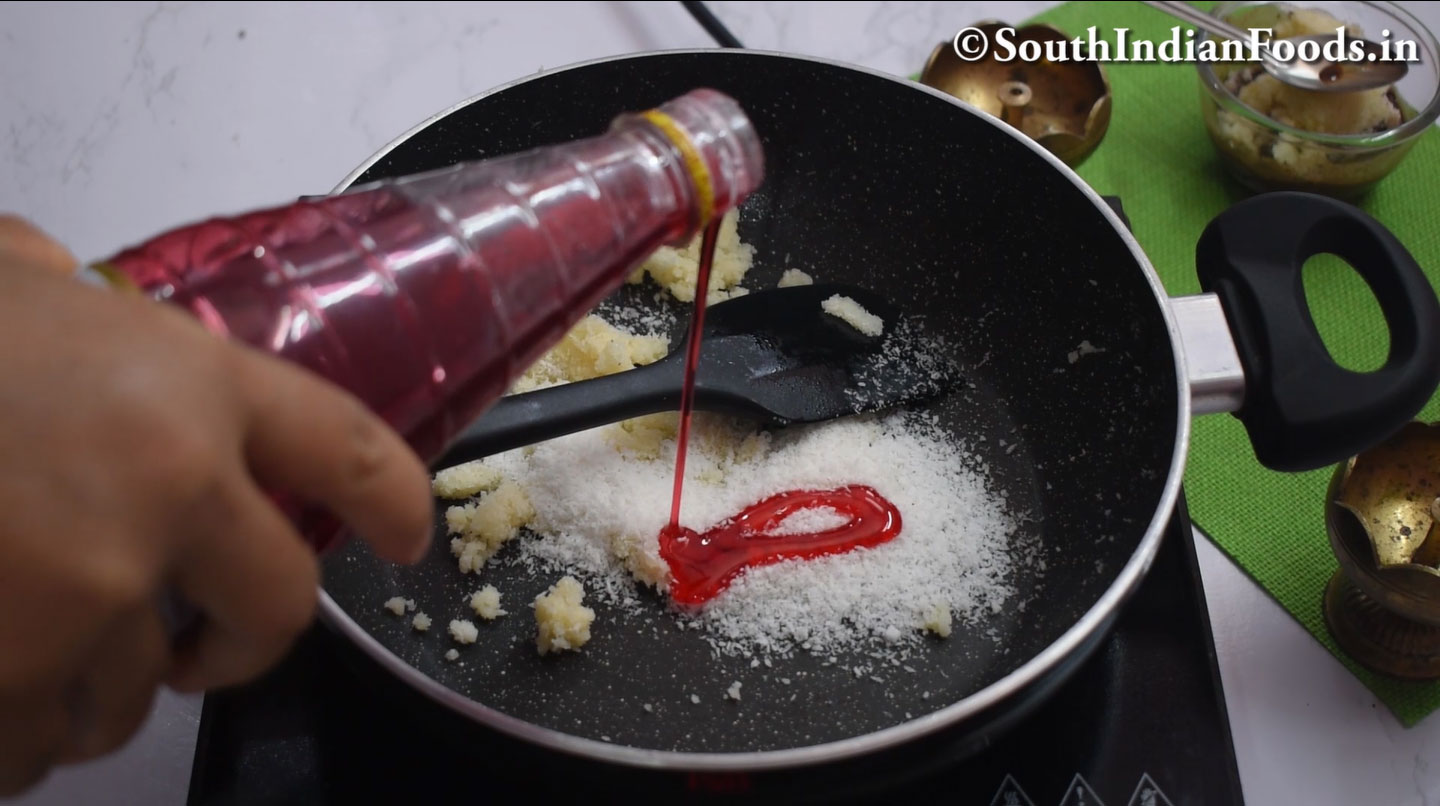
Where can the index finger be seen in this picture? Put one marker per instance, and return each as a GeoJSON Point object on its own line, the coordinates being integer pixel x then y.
{"type": "Point", "coordinates": [311, 438]}
{"type": "Point", "coordinates": [24, 243]}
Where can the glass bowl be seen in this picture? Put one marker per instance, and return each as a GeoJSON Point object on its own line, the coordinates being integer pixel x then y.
{"type": "Point", "coordinates": [1264, 154]}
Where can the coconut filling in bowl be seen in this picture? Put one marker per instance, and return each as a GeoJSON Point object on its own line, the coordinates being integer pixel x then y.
{"type": "Point", "coordinates": [1363, 111]}
{"type": "Point", "coordinates": [1274, 136]}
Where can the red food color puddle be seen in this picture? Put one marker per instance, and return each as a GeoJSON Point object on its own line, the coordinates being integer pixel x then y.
{"type": "Point", "coordinates": [702, 565]}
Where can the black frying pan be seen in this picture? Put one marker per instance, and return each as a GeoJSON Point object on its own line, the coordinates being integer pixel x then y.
{"type": "Point", "coordinates": [879, 182]}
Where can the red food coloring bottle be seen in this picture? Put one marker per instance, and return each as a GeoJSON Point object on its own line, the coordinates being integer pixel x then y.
{"type": "Point", "coordinates": [427, 296]}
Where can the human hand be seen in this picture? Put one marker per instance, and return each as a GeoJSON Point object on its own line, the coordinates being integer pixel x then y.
{"type": "Point", "coordinates": [135, 449]}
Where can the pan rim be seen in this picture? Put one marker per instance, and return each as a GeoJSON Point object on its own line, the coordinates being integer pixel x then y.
{"type": "Point", "coordinates": [1044, 662]}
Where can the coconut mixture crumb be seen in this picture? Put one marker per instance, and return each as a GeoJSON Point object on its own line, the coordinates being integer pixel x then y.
{"type": "Point", "coordinates": [484, 526]}
{"type": "Point", "coordinates": [465, 481]}
{"type": "Point", "coordinates": [734, 691]}
{"type": "Point", "coordinates": [592, 348]}
{"type": "Point", "coordinates": [853, 314]}
{"type": "Point", "coordinates": [464, 632]}
{"type": "Point", "coordinates": [486, 603]}
{"type": "Point", "coordinates": [563, 621]}
{"type": "Point", "coordinates": [937, 619]}
{"type": "Point", "coordinates": [421, 622]}
{"type": "Point", "coordinates": [793, 277]}
{"type": "Point", "coordinates": [677, 269]}
{"type": "Point", "coordinates": [452, 655]}
{"type": "Point", "coordinates": [399, 606]}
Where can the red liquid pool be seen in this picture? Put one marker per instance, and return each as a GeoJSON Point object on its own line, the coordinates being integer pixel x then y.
{"type": "Point", "coordinates": [702, 565]}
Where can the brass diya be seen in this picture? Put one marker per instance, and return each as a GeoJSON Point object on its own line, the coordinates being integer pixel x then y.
{"type": "Point", "coordinates": [1063, 106]}
{"type": "Point", "coordinates": [1382, 513]}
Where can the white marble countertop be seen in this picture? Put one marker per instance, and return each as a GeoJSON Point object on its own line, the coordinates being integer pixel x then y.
{"type": "Point", "coordinates": [119, 120]}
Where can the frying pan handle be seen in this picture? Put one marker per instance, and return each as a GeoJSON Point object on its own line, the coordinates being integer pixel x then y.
{"type": "Point", "coordinates": [1301, 409]}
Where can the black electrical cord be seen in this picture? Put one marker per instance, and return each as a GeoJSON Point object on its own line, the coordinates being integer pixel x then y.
{"type": "Point", "coordinates": [712, 25]}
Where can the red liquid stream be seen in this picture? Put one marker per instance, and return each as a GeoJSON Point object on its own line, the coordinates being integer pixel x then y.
{"type": "Point", "coordinates": [703, 565]}
{"type": "Point", "coordinates": [692, 362]}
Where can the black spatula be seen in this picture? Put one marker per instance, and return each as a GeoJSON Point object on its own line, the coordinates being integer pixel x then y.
{"type": "Point", "coordinates": [772, 356]}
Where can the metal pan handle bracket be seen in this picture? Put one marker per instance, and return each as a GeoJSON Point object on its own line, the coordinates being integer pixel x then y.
{"type": "Point", "coordinates": [1217, 379]}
